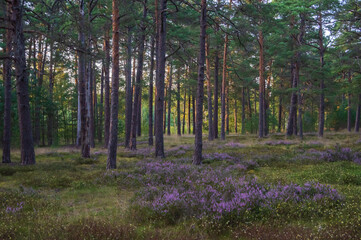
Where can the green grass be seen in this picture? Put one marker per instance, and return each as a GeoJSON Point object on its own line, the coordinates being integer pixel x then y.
{"type": "Point", "coordinates": [67, 197]}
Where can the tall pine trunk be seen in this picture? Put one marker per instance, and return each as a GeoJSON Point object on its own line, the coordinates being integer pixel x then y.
{"type": "Point", "coordinates": [321, 117]}
{"type": "Point", "coordinates": [209, 93]}
{"type": "Point", "coordinates": [128, 90]}
{"type": "Point", "coordinates": [7, 90]}
{"type": "Point", "coordinates": [184, 110]}
{"type": "Point", "coordinates": [223, 92]}
{"type": "Point", "coordinates": [22, 85]}
{"type": "Point", "coordinates": [51, 89]}
{"type": "Point", "coordinates": [150, 101]}
{"type": "Point", "coordinates": [358, 113]}
{"type": "Point", "coordinates": [84, 120]}
{"type": "Point", "coordinates": [137, 100]}
{"type": "Point", "coordinates": [161, 29]}
{"type": "Point", "coordinates": [178, 104]}
{"type": "Point", "coordinates": [106, 48]}
{"type": "Point", "coordinates": [261, 121]}
{"type": "Point", "coordinates": [349, 105]}
{"type": "Point", "coordinates": [197, 157]}
{"type": "Point", "coordinates": [113, 140]}
{"type": "Point", "coordinates": [169, 97]}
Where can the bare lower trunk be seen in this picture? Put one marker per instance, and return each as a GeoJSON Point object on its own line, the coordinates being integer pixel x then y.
{"type": "Point", "coordinates": [209, 93]}
{"type": "Point", "coordinates": [243, 111]}
{"type": "Point", "coordinates": [189, 113]}
{"type": "Point", "coordinates": [321, 118]}
{"type": "Point", "coordinates": [261, 87]}
{"type": "Point", "coordinates": [22, 86]}
{"type": "Point", "coordinates": [358, 113]}
{"type": "Point", "coordinates": [101, 107]}
{"type": "Point", "coordinates": [50, 108]}
{"type": "Point", "coordinates": [193, 113]}
{"type": "Point", "coordinates": [349, 105]}
{"type": "Point", "coordinates": [161, 28]}
{"type": "Point", "coordinates": [128, 90]}
{"type": "Point", "coordinates": [169, 98]}
{"type": "Point", "coordinates": [7, 91]}
{"type": "Point", "coordinates": [106, 48]}
{"type": "Point", "coordinates": [197, 157]}
{"type": "Point", "coordinates": [235, 116]}
{"type": "Point", "coordinates": [178, 105]}
{"type": "Point", "coordinates": [84, 120]}
{"type": "Point", "coordinates": [184, 110]}
{"type": "Point", "coordinates": [150, 101]}
{"type": "Point", "coordinates": [223, 93]}
{"type": "Point", "coordinates": [113, 140]}
{"type": "Point", "coordinates": [137, 100]}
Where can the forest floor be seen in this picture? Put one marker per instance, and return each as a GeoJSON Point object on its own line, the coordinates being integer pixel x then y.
{"type": "Point", "coordinates": [246, 188]}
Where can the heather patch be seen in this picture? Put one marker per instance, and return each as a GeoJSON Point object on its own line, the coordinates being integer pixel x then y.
{"type": "Point", "coordinates": [180, 191]}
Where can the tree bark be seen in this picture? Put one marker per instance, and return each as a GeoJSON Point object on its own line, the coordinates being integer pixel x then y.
{"type": "Point", "coordinates": [243, 111]}
{"type": "Point", "coordinates": [261, 87]}
{"type": "Point", "coordinates": [136, 105]}
{"type": "Point", "coordinates": [235, 116]}
{"type": "Point", "coordinates": [150, 101]}
{"type": "Point", "coordinates": [169, 97]}
{"type": "Point", "coordinates": [106, 49]}
{"type": "Point", "coordinates": [101, 106]}
{"type": "Point", "coordinates": [349, 105]}
{"type": "Point", "coordinates": [41, 70]}
{"type": "Point", "coordinates": [6, 158]}
{"type": "Point", "coordinates": [113, 140]}
{"type": "Point", "coordinates": [223, 93]}
{"type": "Point", "coordinates": [161, 29]}
{"type": "Point", "coordinates": [321, 118]}
{"type": "Point", "coordinates": [184, 110]}
{"type": "Point", "coordinates": [128, 91]}
{"type": "Point", "coordinates": [189, 113]}
{"type": "Point", "coordinates": [209, 93]}
{"type": "Point", "coordinates": [178, 104]}
{"type": "Point", "coordinates": [51, 89]}
{"type": "Point", "coordinates": [22, 86]}
{"type": "Point", "coordinates": [194, 112]}
{"type": "Point", "coordinates": [358, 113]}
{"type": "Point", "coordinates": [197, 157]}
{"type": "Point", "coordinates": [84, 122]}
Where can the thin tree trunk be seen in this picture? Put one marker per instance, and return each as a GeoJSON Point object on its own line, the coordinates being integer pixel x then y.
{"type": "Point", "coordinates": [243, 111]}
{"type": "Point", "coordinates": [189, 113]}
{"type": "Point", "coordinates": [358, 113]}
{"type": "Point", "coordinates": [178, 104]}
{"type": "Point", "coordinates": [197, 157]}
{"type": "Point", "coordinates": [42, 59]}
{"type": "Point", "coordinates": [128, 90]}
{"type": "Point", "coordinates": [349, 105]}
{"type": "Point", "coordinates": [170, 97]}
{"type": "Point", "coordinates": [22, 86]}
{"type": "Point", "coordinates": [85, 149]}
{"type": "Point", "coordinates": [184, 110]}
{"type": "Point", "coordinates": [7, 90]}
{"type": "Point", "coordinates": [51, 88]}
{"type": "Point", "coordinates": [209, 93]}
{"type": "Point", "coordinates": [321, 119]}
{"type": "Point", "coordinates": [101, 107]}
{"type": "Point", "coordinates": [194, 112]}
{"type": "Point", "coordinates": [136, 105]}
{"type": "Point", "coordinates": [161, 29]}
{"type": "Point", "coordinates": [261, 86]}
{"type": "Point", "coordinates": [106, 48]}
{"type": "Point", "coordinates": [216, 66]}
{"type": "Point", "coordinates": [235, 116]}
{"type": "Point", "coordinates": [150, 101]}
{"type": "Point", "coordinates": [223, 93]}
{"type": "Point", "coordinates": [113, 140]}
